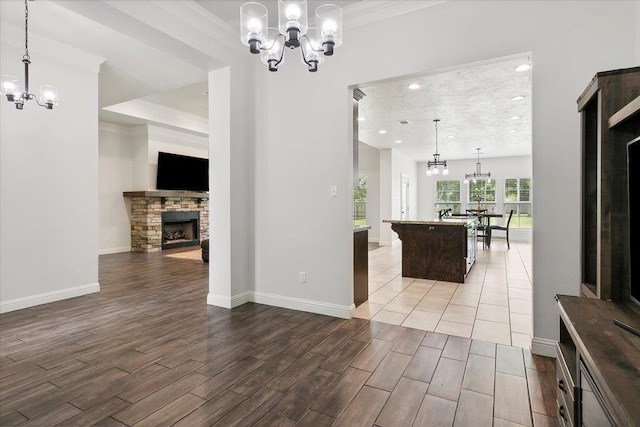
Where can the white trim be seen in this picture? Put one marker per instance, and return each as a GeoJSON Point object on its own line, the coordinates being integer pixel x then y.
{"type": "Point", "coordinates": [543, 347]}
{"type": "Point", "coordinates": [368, 12]}
{"type": "Point", "coordinates": [47, 297]}
{"type": "Point", "coordinates": [328, 309]}
{"type": "Point", "coordinates": [385, 243]}
{"type": "Point", "coordinates": [374, 240]}
{"type": "Point", "coordinates": [218, 300]}
{"type": "Point", "coordinates": [119, 250]}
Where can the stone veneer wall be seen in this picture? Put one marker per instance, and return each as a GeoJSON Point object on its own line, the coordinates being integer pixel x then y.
{"type": "Point", "coordinates": [146, 219]}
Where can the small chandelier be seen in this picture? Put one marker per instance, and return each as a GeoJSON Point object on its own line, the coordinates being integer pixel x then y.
{"type": "Point", "coordinates": [18, 94]}
{"type": "Point", "coordinates": [478, 173]}
{"type": "Point", "coordinates": [293, 31]}
{"type": "Point", "coordinates": [433, 167]}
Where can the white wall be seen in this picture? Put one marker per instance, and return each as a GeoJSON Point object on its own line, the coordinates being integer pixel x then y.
{"type": "Point", "coordinates": [369, 166]}
{"type": "Point", "coordinates": [569, 42]}
{"type": "Point", "coordinates": [115, 167]}
{"type": "Point", "coordinates": [403, 165]}
{"type": "Point", "coordinates": [49, 183]}
{"type": "Point", "coordinates": [386, 198]}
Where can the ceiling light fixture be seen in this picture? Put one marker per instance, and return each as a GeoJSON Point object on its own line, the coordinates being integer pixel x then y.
{"type": "Point", "coordinates": [523, 67]}
{"type": "Point", "coordinates": [433, 167]}
{"type": "Point", "coordinates": [398, 141]}
{"type": "Point", "coordinates": [513, 131]}
{"type": "Point", "coordinates": [414, 86]}
{"type": "Point", "coordinates": [382, 131]}
{"type": "Point", "coordinates": [361, 119]}
{"type": "Point", "coordinates": [514, 117]}
{"type": "Point", "coordinates": [518, 98]}
{"type": "Point", "coordinates": [451, 136]}
{"type": "Point", "coordinates": [478, 173]}
{"type": "Point", "coordinates": [20, 94]}
{"type": "Point", "coordinates": [293, 31]}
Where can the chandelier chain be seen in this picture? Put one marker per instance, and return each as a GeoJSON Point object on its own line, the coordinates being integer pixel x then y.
{"type": "Point", "coordinates": [26, 31]}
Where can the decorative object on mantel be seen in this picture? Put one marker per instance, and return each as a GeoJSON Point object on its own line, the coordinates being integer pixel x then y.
{"type": "Point", "coordinates": [18, 94]}
{"type": "Point", "coordinates": [433, 167]}
{"type": "Point", "coordinates": [478, 173]}
{"type": "Point", "coordinates": [293, 31]}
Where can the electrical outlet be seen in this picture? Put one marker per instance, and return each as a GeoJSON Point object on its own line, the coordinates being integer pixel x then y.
{"type": "Point", "coordinates": [303, 277]}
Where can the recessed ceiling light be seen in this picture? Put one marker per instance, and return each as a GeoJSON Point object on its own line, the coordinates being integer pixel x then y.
{"type": "Point", "coordinates": [361, 119]}
{"type": "Point", "coordinates": [451, 136]}
{"type": "Point", "coordinates": [513, 131]}
{"type": "Point", "coordinates": [414, 86]}
{"type": "Point", "coordinates": [518, 98]}
{"type": "Point", "coordinates": [398, 141]}
{"type": "Point", "coordinates": [514, 117]}
{"type": "Point", "coordinates": [523, 67]}
{"type": "Point", "coordinates": [382, 131]}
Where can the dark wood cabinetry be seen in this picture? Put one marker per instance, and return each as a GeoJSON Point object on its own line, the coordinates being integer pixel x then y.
{"type": "Point", "coordinates": [608, 108]}
{"type": "Point", "coordinates": [438, 250]}
{"type": "Point", "coordinates": [360, 264]}
{"type": "Point", "coordinates": [598, 363]}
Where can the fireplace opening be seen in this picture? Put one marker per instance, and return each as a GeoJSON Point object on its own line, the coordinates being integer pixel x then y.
{"type": "Point", "coordinates": [180, 229]}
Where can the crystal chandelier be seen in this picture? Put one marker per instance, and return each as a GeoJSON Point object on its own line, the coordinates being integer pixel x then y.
{"type": "Point", "coordinates": [19, 94]}
{"type": "Point", "coordinates": [433, 167]}
{"type": "Point", "coordinates": [478, 173]}
{"type": "Point", "coordinates": [293, 31]}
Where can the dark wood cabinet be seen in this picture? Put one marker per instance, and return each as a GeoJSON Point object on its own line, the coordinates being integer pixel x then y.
{"type": "Point", "coordinates": [598, 363]}
{"type": "Point", "coordinates": [438, 250]}
{"type": "Point", "coordinates": [360, 264]}
{"type": "Point", "coordinates": [607, 124]}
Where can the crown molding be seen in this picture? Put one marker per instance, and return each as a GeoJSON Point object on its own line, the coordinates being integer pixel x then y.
{"type": "Point", "coordinates": [369, 12]}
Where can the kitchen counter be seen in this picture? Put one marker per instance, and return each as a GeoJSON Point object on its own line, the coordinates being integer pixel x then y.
{"type": "Point", "coordinates": [442, 249]}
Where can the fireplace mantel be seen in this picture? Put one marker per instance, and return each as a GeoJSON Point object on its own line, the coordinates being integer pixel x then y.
{"type": "Point", "coordinates": [167, 193]}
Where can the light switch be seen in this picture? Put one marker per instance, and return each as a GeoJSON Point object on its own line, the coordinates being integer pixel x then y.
{"type": "Point", "coordinates": [334, 191]}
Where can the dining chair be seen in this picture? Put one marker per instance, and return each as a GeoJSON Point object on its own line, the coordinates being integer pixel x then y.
{"type": "Point", "coordinates": [505, 228]}
{"type": "Point", "coordinates": [481, 233]}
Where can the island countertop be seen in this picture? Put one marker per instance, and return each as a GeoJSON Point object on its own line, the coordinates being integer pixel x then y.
{"type": "Point", "coordinates": [445, 221]}
{"type": "Point", "coordinates": [357, 228]}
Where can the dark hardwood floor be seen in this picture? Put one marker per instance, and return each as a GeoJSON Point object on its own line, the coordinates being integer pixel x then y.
{"type": "Point", "coordinates": [148, 351]}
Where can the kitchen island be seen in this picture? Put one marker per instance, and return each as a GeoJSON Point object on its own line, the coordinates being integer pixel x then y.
{"type": "Point", "coordinates": [443, 249]}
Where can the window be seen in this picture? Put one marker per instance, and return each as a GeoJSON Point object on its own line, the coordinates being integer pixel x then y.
{"type": "Point", "coordinates": [448, 196]}
{"type": "Point", "coordinates": [483, 193]}
{"type": "Point", "coordinates": [360, 202]}
{"type": "Point", "coordinates": [517, 196]}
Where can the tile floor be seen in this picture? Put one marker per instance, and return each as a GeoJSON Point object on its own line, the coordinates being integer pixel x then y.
{"type": "Point", "coordinates": [494, 303]}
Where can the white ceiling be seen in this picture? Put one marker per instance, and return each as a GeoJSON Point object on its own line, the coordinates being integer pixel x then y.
{"type": "Point", "coordinates": [473, 104]}
{"type": "Point", "coordinates": [165, 61]}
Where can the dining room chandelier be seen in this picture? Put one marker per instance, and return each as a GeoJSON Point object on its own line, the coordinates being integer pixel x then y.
{"type": "Point", "coordinates": [478, 173]}
{"type": "Point", "coordinates": [433, 167]}
{"type": "Point", "coordinates": [19, 94]}
{"type": "Point", "coordinates": [293, 31]}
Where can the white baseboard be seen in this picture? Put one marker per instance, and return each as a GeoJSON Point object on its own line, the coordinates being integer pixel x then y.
{"type": "Point", "coordinates": [335, 310]}
{"type": "Point", "coordinates": [543, 347]}
{"type": "Point", "coordinates": [47, 297]}
{"type": "Point", "coordinates": [108, 251]}
{"type": "Point", "coordinates": [385, 242]}
{"type": "Point", "coordinates": [328, 309]}
{"type": "Point", "coordinates": [374, 240]}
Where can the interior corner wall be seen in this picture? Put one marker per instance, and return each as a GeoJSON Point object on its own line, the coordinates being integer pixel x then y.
{"type": "Point", "coordinates": [302, 229]}
{"type": "Point", "coordinates": [369, 166]}
{"type": "Point", "coordinates": [386, 234]}
{"type": "Point", "coordinates": [48, 187]}
{"type": "Point", "coordinates": [115, 168]}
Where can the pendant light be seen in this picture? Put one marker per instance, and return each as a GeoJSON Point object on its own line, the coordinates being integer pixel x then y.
{"type": "Point", "coordinates": [433, 167]}
{"type": "Point", "coordinates": [478, 173]}
{"type": "Point", "coordinates": [18, 94]}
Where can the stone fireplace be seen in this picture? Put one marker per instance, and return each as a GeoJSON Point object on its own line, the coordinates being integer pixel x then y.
{"type": "Point", "coordinates": [167, 219]}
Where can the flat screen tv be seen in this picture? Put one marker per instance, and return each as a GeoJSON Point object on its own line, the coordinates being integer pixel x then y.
{"type": "Point", "coordinates": [178, 172]}
{"type": "Point", "coordinates": [633, 187]}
